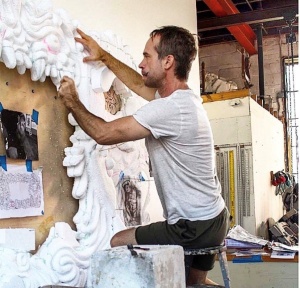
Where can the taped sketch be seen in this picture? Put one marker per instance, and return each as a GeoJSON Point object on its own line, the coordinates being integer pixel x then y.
{"type": "Point", "coordinates": [21, 192]}
{"type": "Point", "coordinates": [129, 202]}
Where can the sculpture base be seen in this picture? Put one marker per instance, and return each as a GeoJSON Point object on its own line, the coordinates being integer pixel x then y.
{"type": "Point", "coordinates": [161, 266]}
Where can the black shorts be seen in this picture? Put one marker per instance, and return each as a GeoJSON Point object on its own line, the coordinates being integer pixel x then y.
{"type": "Point", "coordinates": [188, 234]}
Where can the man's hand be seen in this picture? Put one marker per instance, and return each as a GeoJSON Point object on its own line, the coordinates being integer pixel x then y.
{"type": "Point", "coordinates": [68, 93]}
{"type": "Point", "coordinates": [91, 46]}
{"type": "Point", "coordinates": [126, 74]}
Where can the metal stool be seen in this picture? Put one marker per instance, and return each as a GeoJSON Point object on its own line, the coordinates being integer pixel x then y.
{"type": "Point", "coordinates": [55, 286]}
{"type": "Point", "coordinates": [219, 250]}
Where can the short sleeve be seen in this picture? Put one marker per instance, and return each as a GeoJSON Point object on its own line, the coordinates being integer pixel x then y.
{"type": "Point", "coordinates": [161, 117]}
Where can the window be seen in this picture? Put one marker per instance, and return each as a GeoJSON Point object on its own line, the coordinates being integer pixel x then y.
{"type": "Point", "coordinates": [292, 112]}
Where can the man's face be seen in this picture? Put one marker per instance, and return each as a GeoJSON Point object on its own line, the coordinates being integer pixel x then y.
{"type": "Point", "coordinates": [152, 70]}
{"type": "Point", "coordinates": [21, 125]}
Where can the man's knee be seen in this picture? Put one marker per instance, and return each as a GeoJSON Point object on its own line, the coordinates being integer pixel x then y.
{"type": "Point", "coordinates": [123, 238]}
{"type": "Point", "coordinates": [114, 241]}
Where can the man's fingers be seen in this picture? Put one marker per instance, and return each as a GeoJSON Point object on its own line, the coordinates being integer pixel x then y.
{"type": "Point", "coordinates": [84, 37]}
{"type": "Point", "coordinates": [79, 40]}
{"type": "Point", "coordinates": [81, 33]}
{"type": "Point", "coordinates": [64, 82]}
{"type": "Point", "coordinates": [89, 44]}
{"type": "Point", "coordinates": [65, 79]}
{"type": "Point", "coordinates": [88, 59]}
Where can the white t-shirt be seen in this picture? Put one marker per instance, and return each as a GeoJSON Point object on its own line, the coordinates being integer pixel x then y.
{"type": "Point", "coordinates": [181, 151]}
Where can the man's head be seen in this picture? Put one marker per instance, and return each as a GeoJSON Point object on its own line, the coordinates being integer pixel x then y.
{"type": "Point", "coordinates": [168, 47]}
{"type": "Point", "coordinates": [180, 43]}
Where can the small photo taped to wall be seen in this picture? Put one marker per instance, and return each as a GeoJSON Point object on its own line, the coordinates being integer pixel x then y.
{"type": "Point", "coordinates": [19, 133]}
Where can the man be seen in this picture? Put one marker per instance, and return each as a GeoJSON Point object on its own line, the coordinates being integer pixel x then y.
{"type": "Point", "coordinates": [178, 139]}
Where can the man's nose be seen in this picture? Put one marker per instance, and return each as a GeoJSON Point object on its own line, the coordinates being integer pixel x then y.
{"type": "Point", "coordinates": [142, 65]}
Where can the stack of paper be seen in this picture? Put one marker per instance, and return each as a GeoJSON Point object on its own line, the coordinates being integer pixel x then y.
{"type": "Point", "coordinates": [282, 251]}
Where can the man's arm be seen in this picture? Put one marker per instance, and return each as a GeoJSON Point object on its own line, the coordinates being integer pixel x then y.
{"type": "Point", "coordinates": [106, 133]}
{"type": "Point", "coordinates": [127, 75]}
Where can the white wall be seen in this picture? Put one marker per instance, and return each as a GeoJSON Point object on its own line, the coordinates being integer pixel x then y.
{"type": "Point", "coordinates": [133, 20]}
{"type": "Point", "coordinates": [244, 124]}
{"type": "Point", "coordinates": [268, 155]}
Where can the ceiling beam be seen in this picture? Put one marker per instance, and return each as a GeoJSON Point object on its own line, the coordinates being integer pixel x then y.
{"type": "Point", "coordinates": [252, 17]}
{"type": "Point", "coordinates": [277, 3]}
{"type": "Point", "coordinates": [243, 33]}
{"type": "Point", "coordinates": [231, 9]}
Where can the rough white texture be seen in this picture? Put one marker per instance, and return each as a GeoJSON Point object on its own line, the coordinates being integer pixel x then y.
{"type": "Point", "coordinates": [34, 36]}
{"type": "Point", "coordinates": [18, 238]}
{"type": "Point", "coordinates": [160, 267]}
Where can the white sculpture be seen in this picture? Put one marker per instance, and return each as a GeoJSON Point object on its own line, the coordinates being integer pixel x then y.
{"type": "Point", "coordinates": [215, 84]}
{"type": "Point", "coordinates": [33, 36]}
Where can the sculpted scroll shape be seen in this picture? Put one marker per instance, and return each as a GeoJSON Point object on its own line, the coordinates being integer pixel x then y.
{"type": "Point", "coordinates": [34, 36]}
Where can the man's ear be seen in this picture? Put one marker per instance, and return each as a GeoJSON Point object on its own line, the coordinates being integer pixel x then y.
{"type": "Point", "coordinates": [169, 61]}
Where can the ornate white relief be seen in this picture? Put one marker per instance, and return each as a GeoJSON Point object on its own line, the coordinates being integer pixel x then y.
{"type": "Point", "coordinates": [34, 36]}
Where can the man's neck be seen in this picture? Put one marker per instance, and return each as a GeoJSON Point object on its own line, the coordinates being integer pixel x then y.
{"type": "Point", "coordinates": [169, 88]}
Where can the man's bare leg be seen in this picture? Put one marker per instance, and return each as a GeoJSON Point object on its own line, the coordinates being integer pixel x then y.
{"type": "Point", "coordinates": [123, 237]}
{"type": "Point", "coordinates": [199, 277]}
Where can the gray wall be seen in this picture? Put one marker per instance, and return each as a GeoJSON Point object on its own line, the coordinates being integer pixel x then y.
{"type": "Point", "coordinates": [225, 60]}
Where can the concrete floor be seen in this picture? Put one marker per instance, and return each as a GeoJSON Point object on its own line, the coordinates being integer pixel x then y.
{"type": "Point", "coordinates": [261, 274]}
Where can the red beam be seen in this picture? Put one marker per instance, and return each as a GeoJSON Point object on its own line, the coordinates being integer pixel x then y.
{"type": "Point", "coordinates": [230, 9]}
{"type": "Point", "coordinates": [243, 33]}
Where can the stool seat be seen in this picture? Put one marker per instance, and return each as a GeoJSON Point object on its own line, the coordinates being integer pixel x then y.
{"type": "Point", "coordinates": [215, 250]}
{"type": "Point", "coordinates": [205, 251]}
{"type": "Point", "coordinates": [55, 286]}
{"type": "Point", "coordinates": [205, 286]}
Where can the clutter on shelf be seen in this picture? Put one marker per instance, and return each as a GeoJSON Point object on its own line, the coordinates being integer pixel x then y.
{"type": "Point", "coordinates": [241, 243]}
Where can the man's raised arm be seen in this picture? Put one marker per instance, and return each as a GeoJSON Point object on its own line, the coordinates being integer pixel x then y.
{"type": "Point", "coordinates": [132, 79]}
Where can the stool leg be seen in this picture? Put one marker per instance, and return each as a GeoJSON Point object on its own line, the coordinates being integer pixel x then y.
{"type": "Point", "coordinates": [224, 268]}
{"type": "Point", "coordinates": [188, 260]}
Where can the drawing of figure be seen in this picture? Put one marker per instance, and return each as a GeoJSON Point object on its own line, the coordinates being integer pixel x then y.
{"type": "Point", "coordinates": [132, 204]}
